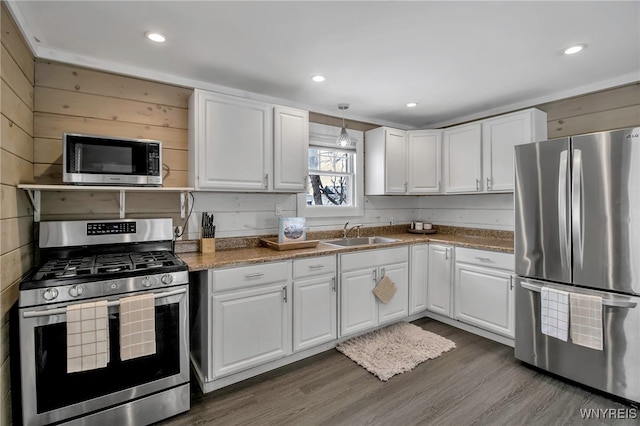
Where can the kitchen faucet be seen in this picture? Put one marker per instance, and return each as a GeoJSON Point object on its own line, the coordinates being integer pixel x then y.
{"type": "Point", "coordinates": [346, 231]}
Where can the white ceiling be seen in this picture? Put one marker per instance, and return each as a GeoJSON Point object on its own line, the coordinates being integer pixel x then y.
{"type": "Point", "coordinates": [458, 60]}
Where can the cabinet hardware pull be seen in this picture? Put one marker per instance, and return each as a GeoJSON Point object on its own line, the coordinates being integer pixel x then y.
{"type": "Point", "coordinates": [284, 289]}
{"type": "Point", "coordinates": [488, 184]}
{"type": "Point", "coordinates": [333, 284]}
{"type": "Point", "coordinates": [477, 184]}
{"type": "Point", "coordinates": [375, 275]}
{"type": "Point", "coordinates": [511, 282]}
{"type": "Point", "coordinates": [383, 272]}
{"type": "Point", "coordinates": [483, 259]}
{"type": "Point", "coordinates": [315, 266]}
{"type": "Point", "coordinates": [266, 181]}
{"type": "Point", "coordinates": [446, 254]}
{"type": "Point", "coordinates": [254, 275]}
{"type": "Point", "coordinates": [405, 187]}
{"type": "Point", "coordinates": [439, 187]}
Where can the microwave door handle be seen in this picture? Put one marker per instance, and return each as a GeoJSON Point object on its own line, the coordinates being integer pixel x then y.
{"type": "Point", "coordinates": [563, 234]}
{"type": "Point", "coordinates": [576, 207]}
{"type": "Point", "coordinates": [614, 303]}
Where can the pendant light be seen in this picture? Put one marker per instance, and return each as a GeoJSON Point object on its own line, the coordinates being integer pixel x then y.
{"type": "Point", "coordinates": [344, 140]}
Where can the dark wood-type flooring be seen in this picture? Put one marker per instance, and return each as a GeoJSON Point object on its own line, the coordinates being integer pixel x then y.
{"type": "Point", "coordinates": [477, 383]}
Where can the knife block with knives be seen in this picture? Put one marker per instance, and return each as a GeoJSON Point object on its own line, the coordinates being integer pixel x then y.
{"type": "Point", "coordinates": [208, 234]}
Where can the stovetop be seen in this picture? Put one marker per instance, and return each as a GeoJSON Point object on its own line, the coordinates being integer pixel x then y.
{"type": "Point", "coordinates": [106, 263]}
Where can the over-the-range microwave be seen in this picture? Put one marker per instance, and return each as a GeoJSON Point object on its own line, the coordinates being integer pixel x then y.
{"type": "Point", "coordinates": [101, 160]}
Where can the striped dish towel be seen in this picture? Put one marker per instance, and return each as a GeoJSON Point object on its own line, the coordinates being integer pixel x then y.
{"type": "Point", "coordinates": [586, 320]}
{"type": "Point", "coordinates": [87, 336]}
{"type": "Point", "coordinates": [137, 326]}
{"type": "Point", "coordinates": [554, 313]}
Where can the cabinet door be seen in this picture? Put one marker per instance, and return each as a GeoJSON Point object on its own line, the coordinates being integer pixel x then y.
{"type": "Point", "coordinates": [250, 327]}
{"type": "Point", "coordinates": [234, 141]}
{"type": "Point", "coordinates": [462, 158]}
{"type": "Point", "coordinates": [398, 306]}
{"type": "Point", "coordinates": [358, 309]}
{"type": "Point", "coordinates": [499, 136]}
{"type": "Point", "coordinates": [314, 311]}
{"type": "Point", "coordinates": [395, 161]}
{"type": "Point", "coordinates": [439, 280]}
{"type": "Point", "coordinates": [424, 161]}
{"type": "Point", "coordinates": [484, 297]}
{"type": "Point", "coordinates": [419, 268]}
{"type": "Point", "coordinates": [290, 149]}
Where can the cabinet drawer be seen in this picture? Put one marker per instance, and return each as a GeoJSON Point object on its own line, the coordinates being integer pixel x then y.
{"type": "Point", "coordinates": [373, 258]}
{"type": "Point", "coordinates": [492, 259]}
{"type": "Point", "coordinates": [314, 266]}
{"type": "Point", "coordinates": [248, 276]}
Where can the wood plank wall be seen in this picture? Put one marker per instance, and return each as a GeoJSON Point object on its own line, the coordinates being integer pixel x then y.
{"type": "Point", "coordinates": [75, 99]}
{"type": "Point", "coordinates": [16, 158]}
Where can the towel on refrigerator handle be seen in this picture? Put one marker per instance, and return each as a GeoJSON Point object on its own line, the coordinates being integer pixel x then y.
{"type": "Point", "coordinates": [137, 326]}
{"type": "Point", "coordinates": [554, 313]}
{"type": "Point", "coordinates": [87, 336]}
{"type": "Point", "coordinates": [586, 320]}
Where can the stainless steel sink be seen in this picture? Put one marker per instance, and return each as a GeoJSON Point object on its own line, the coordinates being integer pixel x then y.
{"type": "Point", "coordinates": [360, 241]}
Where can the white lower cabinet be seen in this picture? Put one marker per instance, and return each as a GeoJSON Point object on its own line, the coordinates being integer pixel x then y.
{"type": "Point", "coordinates": [484, 294]}
{"type": "Point", "coordinates": [250, 327]}
{"type": "Point", "coordinates": [439, 279]}
{"type": "Point", "coordinates": [359, 273]}
{"type": "Point", "coordinates": [419, 273]}
{"type": "Point", "coordinates": [314, 302]}
{"type": "Point", "coordinates": [250, 316]}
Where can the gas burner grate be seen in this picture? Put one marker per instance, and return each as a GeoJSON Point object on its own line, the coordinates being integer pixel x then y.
{"type": "Point", "coordinates": [152, 259]}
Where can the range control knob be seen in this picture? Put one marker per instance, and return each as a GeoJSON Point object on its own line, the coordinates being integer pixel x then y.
{"type": "Point", "coordinates": [76, 291]}
{"type": "Point", "coordinates": [167, 279]}
{"type": "Point", "coordinates": [50, 294]}
{"type": "Point", "coordinates": [146, 282]}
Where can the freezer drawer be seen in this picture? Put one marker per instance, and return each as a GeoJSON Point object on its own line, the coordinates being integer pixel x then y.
{"type": "Point", "coordinates": [615, 369]}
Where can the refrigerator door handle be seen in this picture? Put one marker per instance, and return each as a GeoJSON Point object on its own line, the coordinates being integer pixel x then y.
{"type": "Point", "coordinates": [576, 206]}
{"type": "Point", "coordinates": [616, 303]}
{"type": "Point", "coordinates": [562, 209]}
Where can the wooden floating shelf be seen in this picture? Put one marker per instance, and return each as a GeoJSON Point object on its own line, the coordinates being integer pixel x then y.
{"type": "Point", "coordinates": [33, 190]}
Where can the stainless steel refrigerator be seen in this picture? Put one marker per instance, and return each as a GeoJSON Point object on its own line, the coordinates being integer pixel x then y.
{"type": "Point", "coordinates": [577, 229]}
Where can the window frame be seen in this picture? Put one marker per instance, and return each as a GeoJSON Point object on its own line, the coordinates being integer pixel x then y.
{"type": "Point", "coordinates": [322, 135]}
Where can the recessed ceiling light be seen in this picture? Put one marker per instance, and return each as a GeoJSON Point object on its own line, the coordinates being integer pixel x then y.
{"type": "Point", "coordinates": [157, 37]}
{"type": "Point", "coordinates": [318, 78]}
{"type": "Point", "coordinates": [412, 104]}
{"type": "Point", "coordinates": [574, 49]}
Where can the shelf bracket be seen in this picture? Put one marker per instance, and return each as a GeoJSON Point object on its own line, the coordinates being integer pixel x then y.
{"type": "Point", "coordinates": [34, 197]}
{"type": "Point", "coordinates": [122, 205]}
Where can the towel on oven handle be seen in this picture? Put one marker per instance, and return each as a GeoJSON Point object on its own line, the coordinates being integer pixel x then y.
{"type": "Point", "coordinates": [137, 326]}
{"type": "Point", "coordinates": [87, 336]}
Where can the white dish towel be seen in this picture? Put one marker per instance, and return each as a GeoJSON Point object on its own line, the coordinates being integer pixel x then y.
{"type": "Point", "coordinates": [87, 336]}
{"type": "Point", "coordinates": [137, 326]}
{"type": "Point", "coordinates": [586, 320]}
{"type": "Point", "coordinates": [554, 313]}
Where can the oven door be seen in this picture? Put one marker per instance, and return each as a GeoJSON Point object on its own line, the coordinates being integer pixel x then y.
{"type": "Point", "coordinates": [50, 394]}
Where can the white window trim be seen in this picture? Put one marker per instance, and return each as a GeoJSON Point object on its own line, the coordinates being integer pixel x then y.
{"type": "Point", "coordinates": [324, 135]}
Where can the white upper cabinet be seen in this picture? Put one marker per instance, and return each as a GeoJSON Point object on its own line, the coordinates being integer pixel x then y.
{"type": "Point", "coordinates": [462, 158]}
{"type": "Point", "coordinates": [478, 157]}
{"type": "Point", "coordinates": [499, 136]}
{"type": "Point", "coordinates": [424, 159]}
{"type": "Point", "coordinates": [231, 145]}
{"type": "Point", "coordinates": [402, 162]}
{"type": "Point", "coordinates": [290, 149]}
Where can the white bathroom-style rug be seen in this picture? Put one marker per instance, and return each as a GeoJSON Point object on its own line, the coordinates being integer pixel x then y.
{"type": "Point", "coordinates": [394, 349]}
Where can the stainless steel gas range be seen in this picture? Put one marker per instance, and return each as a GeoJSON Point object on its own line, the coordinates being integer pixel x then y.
{"type": "Point", "coordinates": [107, 262]}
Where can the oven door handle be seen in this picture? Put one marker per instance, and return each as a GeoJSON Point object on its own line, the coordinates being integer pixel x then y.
{"type": "Point", "coordinates": [616, 303]}
{"type": "Point", "coordinates": [60, 311]}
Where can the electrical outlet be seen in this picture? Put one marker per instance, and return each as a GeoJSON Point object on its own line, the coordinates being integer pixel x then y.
{"type": "Point", "coordinates": [278, 210]}
{"type": "Point", "coordinates": [178, 233]}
